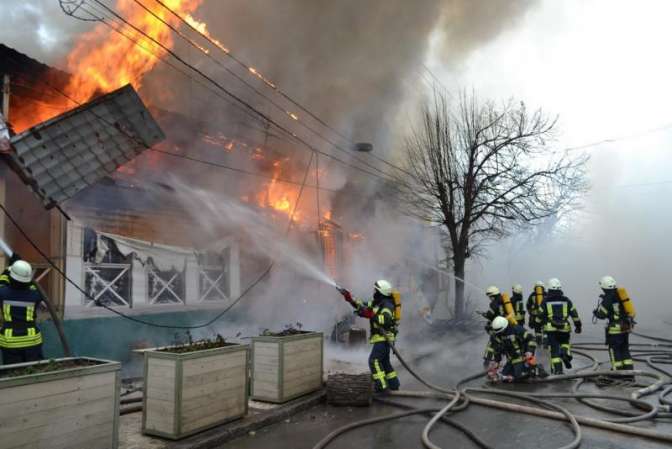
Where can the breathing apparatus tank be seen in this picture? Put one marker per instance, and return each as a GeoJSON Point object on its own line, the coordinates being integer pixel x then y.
{"type": "Point", "coordinates": [397, 305]}
{"type": "Point", "coordinates": [508, 308]}
{"type": "Point", "coordinates": [539, 294]}
{"type": "Point", "coordinates": [626, 302]}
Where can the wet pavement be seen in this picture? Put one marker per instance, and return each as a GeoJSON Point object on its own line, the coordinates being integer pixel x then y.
{"type": "Point", "coordinates": [499, 428]}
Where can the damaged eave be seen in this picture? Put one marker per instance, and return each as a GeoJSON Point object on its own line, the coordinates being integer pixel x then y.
{"type": "Point", "coordinates": [66, 154]}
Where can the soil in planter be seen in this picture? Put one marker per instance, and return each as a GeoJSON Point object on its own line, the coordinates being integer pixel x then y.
{"type": "Point", "coordinates": [51, 365]}
{"type": "Point", "coordinates": [197, 345]}
{"type": "Point", "coordinates": [287, 332]}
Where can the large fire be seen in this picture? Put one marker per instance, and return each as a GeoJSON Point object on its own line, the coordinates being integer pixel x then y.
{"type": "Point", "coordinates": [103, 60]}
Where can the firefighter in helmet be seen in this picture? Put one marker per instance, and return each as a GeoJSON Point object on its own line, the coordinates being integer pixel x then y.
{"type": "Point", "coordinates": [533, 310]}
{"type": "Point", "coordinates": [514, 343]}
{"type": "Point", "coordinates": [555, 311]}
{"type": "Point", "coordinates": [20, 338]}
{"type": "Point", "coordinates": [496, 305]}
{"type": "Point", "coordinates": [380, 312]}
{"type": "Point", "coordinates": [619, 324]}
{"type": "Point", "coordinates": [518, 304]}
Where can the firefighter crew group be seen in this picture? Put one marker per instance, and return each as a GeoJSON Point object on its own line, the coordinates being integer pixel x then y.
{"type": "Point", "coordinates": [20, 338]}
{"type": "Point", "coordinates": [549, 313]}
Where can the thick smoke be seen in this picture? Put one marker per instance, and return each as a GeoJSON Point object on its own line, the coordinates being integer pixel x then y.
{"type": "Point", "coordinates": [353, 62]}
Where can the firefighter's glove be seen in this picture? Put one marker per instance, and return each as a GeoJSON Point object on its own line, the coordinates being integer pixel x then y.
{"type": "Point", "coordinates": [346, 295]}
{"type": "Point", "coordinates": [577, 329]}
{"type": "Point", "coordinates": [507, 379]}
{"type": "Point", "coordinates": [366, 313]}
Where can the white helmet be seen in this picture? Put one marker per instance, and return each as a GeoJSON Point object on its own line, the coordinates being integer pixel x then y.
{"type": "Point", "coordinates": [21, 271]}
{"type": "Point", "coordinates": [492, 291]}
{"type": "Point", "coordinates": [554, 284]}
{"type": "Point", "coordinates": [383, 287]}
{"type": "Point", "coordinates": [539, 284]}
{"type": "Point", "coordinates": [517, 288]}
{"type": "Point", "coordinates": [499, 324]}
{"type": "Point", "coordinates": [608, 283]}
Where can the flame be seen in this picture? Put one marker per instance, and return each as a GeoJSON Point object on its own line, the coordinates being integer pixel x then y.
{"type": "Point", "coordinates": [103, 60]}
{"type": "Point", "coordinates": [202, 28]}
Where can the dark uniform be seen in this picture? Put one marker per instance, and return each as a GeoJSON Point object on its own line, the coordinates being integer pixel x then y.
{"type": "Point", "coordinates": [518, 308]}
{"type": "Point", "coordinates": [533, 312]}
{"type": "Point", "coordinates": [495, 308]}
{"type": "Point", "coordinates": [20, 338]}
{"type": "Point", "coordinates": [556, 309]}
{"type": "Point", "coordinates": [380, 313]}
{"type": "Point", "coordinates": [617, 331]}
{"type": "Point", "coordinates": [511, 343]}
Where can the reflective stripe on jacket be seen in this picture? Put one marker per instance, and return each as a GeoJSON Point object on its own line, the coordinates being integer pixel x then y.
{"type": "Point", "coordinates": [556, 309]}
{"type": "Point", "coordinates": [19, 329]}
{"type": "Point", "coordinates": [610, 308]}
{"type": "Point", "coordinates": [382, 324]}
{"type": "Point", "coordinates": [512, 343]}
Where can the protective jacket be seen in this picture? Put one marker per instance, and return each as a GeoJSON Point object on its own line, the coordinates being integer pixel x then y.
{"type": "Point", "coordinates": [511, 343]}
{"type": "Point", "coordinates": [4, 277]}
{"type": "Point", "coordinates": [495, 308]}
{"type": "Point", "coordinates": [380, 312]}
{"type": "Point", "coordinates": [518, 307]}
{"type": "Point", "coordinates": [611, 309]}
{"type": "Point", "coordinates": [555, 311]}
{"type": "Point", "coordinates": [533, 309]}
{"type": "Point", "coordinates": [19, 304]}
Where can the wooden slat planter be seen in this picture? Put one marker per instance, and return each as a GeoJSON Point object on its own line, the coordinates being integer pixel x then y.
{"type": "Point", "coordinates": [187, 393]}
{"type": "Point", "coordinates": [284, 368]}
{"type": "Point", "coordinates": [72, 408]}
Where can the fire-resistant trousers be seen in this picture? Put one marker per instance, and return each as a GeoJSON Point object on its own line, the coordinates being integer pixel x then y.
{"type": "Point", "coordinates": [517, 370]}
{"type": "Point", "coordinates": [22, 355]}
{"type": "Point", "coordinates": [384, 376]}
{"type": "Point", "coordinates": [560, 350]}
{"type": "Point", "coordinates": [619, 351]}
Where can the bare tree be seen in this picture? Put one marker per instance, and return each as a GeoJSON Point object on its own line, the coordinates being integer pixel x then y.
{"type": "Point", "coordinates": [482, 171]}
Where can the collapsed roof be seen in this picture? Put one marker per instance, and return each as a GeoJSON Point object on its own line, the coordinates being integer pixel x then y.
{"type": "Point", "coordinates": [64, 155]}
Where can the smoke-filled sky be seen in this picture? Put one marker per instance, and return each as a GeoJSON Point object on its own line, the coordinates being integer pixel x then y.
{"type": "Point", "coordinates": [602, 65]}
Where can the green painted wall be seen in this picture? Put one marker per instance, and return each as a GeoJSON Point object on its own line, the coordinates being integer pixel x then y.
{"type": "Point", "coordinates": [114, 338]}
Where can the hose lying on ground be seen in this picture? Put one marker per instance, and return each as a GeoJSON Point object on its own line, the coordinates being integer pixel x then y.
{"type": "Point", "coordinates": [460, 398]}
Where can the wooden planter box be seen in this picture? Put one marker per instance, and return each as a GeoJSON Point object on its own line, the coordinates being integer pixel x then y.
{"type": "Point", "coordinates": [72, 408]}
{"type": "Point", "coordinates": [187, 393]}
{"type": "Point", "coordinates": [284, 368]}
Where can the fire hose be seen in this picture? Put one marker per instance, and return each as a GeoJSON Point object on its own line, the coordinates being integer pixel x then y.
{"type": "Point", "coordinates": [469, 395]}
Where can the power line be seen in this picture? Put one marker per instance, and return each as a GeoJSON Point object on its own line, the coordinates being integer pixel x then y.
{"type": "Point", "coordinates": [238, 99]}
{"type": "Point", "coordinates": [149, 323]}
{"type": "Point", "coordinates": [268, 83]}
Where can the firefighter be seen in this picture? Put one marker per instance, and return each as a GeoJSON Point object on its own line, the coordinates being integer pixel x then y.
{"type": "Point", "coordinates": [496, 305]}
{"type": "Point", "coordinates": [518, 304]}
{"type": "Point", "coordinates": [533, 310]}
{"type": "Point", "coordinates": [556, 309]}
{"type": "Point", "coordinates": [20, 338]}
{"type": "Point", "coordinates": [514, 343]}
{"type": "Point", "coordinates": [380, 313]}
{"type": "Point", "coordinates": [619, 324]}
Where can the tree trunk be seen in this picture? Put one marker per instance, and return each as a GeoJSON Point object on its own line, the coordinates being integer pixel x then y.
{"type": "Point", "coordinates": [458, 270]}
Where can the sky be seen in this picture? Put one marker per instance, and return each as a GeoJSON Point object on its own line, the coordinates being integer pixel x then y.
{"type": "Point", "coordinates": [602, 66]}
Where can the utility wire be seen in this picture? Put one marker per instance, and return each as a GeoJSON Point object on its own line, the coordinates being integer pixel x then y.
{"type": "Point", "coordinates": [184, 156]}
{"type": "Point", "coordinates": [288, 113]}
{"type": "Point", "coordinates": [238, 99]}
{"type": "Point", "coordinates": [11, 218]}
{"type": "Point", "coordinates": [268, 83]}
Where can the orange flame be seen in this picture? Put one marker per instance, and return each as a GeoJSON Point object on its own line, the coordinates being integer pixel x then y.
{"type": "Point", "coordinates": [104, 60]}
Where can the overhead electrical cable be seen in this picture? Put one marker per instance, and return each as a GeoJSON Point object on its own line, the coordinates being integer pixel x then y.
{"type": "Point", "coordinates": [275, 87]}
{"type": "Point", "coordinates": [244, 103]}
